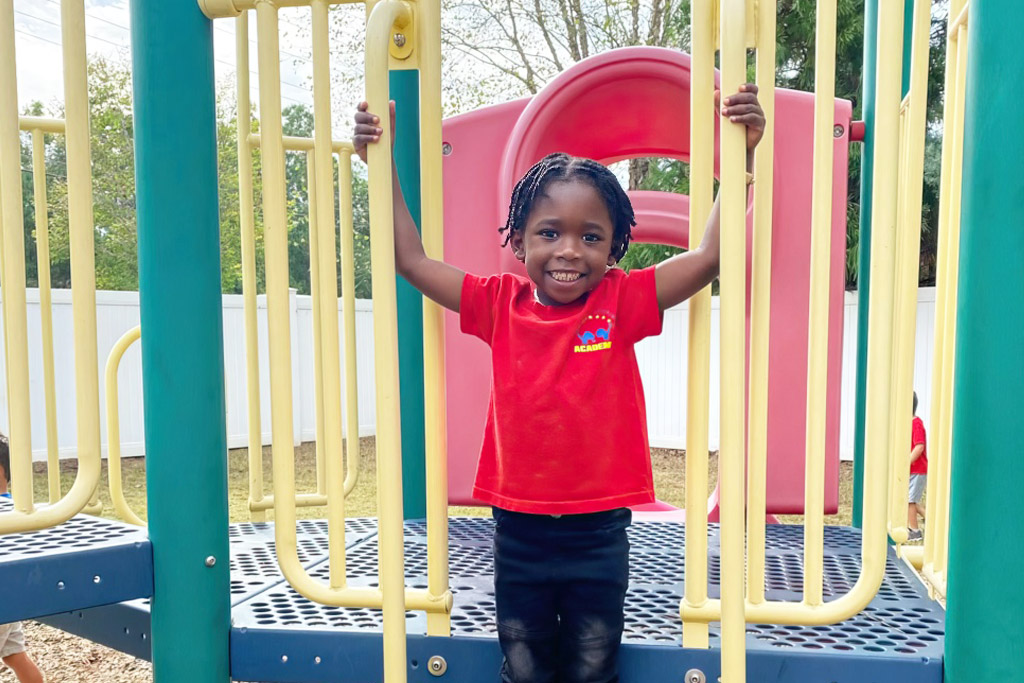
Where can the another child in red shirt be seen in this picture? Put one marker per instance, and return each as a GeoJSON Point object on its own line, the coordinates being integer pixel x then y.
{"type": "Point", "coordinates": [918, 475]}
{"type": "Point", "coordinates": [565, 448]}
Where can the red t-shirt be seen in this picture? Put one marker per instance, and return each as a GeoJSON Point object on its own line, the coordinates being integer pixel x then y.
{"type": "Point", "coordinates": [919, 466]}
{"type": "Point", "coordinates": [566, 426]}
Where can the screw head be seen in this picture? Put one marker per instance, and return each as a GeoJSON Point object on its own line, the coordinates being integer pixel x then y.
{"type": "Point", "coordinates": [399, 39]}
{"type": "Point", "coordinates": [437, 666]}
{"type": "Point", "coordinates": [837, 131]}
{"type": "Point", "coordinates": [695, 676]}
{"type": "Point", "coordinates": [211, 561]}
{"type": "Point", "coordinates": [446, 148]}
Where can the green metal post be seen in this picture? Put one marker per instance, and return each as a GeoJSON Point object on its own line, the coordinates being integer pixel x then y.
{"type": "Point", "coordinates": [182, 339]}
{"type": "Point", "coordinates": [864, 250]}
{"type": "Point", "coordinates": [406, 94]}
{"type": "Point", "coordinates": [984, 630]}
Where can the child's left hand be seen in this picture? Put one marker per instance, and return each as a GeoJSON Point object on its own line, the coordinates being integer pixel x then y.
{"type": "Point", "coordinates": [744, 108]}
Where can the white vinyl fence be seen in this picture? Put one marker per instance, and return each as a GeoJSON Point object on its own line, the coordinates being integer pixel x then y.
{"type": "Point", "coordinates": [661, 359]}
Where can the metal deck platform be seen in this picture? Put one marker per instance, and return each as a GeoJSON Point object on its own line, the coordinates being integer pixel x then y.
{"type": "Point", "coordinates": [279, 636]}
{"type": "Point", "coordinates": [83, 563]}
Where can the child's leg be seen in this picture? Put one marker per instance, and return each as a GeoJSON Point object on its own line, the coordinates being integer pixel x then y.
{"type": "Point", "coordinates": [524, 597]}
{"type": "Point", "coordinates": [24, 668]}
{"type": "Point", "coordinates": [595, 576]}
{"type": "Point", "coordinates": [911, 515]}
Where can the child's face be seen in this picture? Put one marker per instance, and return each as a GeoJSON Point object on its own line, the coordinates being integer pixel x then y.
{"type": "Point", "coordinates": [566, 243]}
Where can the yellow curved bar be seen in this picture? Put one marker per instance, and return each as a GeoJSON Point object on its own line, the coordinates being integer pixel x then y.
{"type": "Point", "coordinates": [325, 297]}
{"type": "Point", "coordinates": [873, 543]}
{"type": "Point", "coordinates": [817, 342]}
{"type": "Point", "coordinates": [432, 212]}
{"type": "Point", "coordinates": [121, 506]}
{"type": "Point", "coordinates": [732, 289]}
{"type": "Point", "coordinates": [46, 312]}
{"type": "Point", "coordinates": [348, 304]}
{"type": "Point", "coordinates": [702, 155]}
{"type": "Point", "coordinates": [23, 518]}
{"type": "Point", "coordinates": [760, 307]}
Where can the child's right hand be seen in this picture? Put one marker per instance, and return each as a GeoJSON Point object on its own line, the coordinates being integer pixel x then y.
{"type": "Point", "coordinates": [368, 129]}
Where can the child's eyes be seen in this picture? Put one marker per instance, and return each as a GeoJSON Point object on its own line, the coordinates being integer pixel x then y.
{"type": "Point", "coordinates": [548, 234]}
{"type": "Point", "coordinates": [592, 239]}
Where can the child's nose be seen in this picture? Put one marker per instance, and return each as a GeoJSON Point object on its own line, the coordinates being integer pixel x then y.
{"type": "Point", "coordinates": [568, 249]}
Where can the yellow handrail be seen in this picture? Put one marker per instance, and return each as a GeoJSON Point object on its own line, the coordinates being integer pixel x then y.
{"type": "Point", "coordinates": [121, 505]}
{"type": "Point", "coordinates": [314, 289]}
{"type": "Point", "coordinates": [948, 259]}
{"type": "Point", "coordinates": [45, 310]}
{"type": "Point", "coordinates": [702, 159]}
{"type": "Point", "coordinates": [879, 368]}
{"type": "Point", "coordinates": [732, 291]}
{"type": "Point", "coordinates": [25, 516]}
{"type": "Point", "coordinates": [760, 308]}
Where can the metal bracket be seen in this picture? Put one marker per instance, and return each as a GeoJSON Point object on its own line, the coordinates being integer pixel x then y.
{"type": "Point", "coordinates": [403, 36]}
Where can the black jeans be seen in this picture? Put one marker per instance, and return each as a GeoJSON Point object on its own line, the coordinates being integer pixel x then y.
{"type": "Point", "coordinates": [559, 586]}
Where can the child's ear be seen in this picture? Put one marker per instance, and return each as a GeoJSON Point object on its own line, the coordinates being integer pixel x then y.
{"type": "Point", "coordinates": [611, 260]}
{"type": "Point", "coordinates": [518, 248]}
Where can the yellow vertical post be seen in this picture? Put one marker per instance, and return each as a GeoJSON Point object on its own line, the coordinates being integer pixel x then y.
{"type": "Point", "coordinates": [379, 28]}
{"type": "Point", "coordinates": [314, 288]}
{"type": "Point", "coordinates": [760, 307]}
{"type": "Point", "coordinates": [702, 160]}
{"type": "Point", "coordinates": [13, 272]}
{"type": "Point", "coordinates": [432, 216]}
{"type": "Point", "coordinates": [880, 331]}
{"type": "Point", "coordinates": [45, 312]}
{"type": "Point", "coordinates": [348, 308]}
{"type": "Point", "coordinates": [246, 221]}
{"type": "Point", "coordinates": [732, 287]}
{"type": "Point", "coordinates": [817, 320]}
{"type": "Point", "coordinates": [326, 298]}
{"type": "Point", "coordinates": [940, 516]}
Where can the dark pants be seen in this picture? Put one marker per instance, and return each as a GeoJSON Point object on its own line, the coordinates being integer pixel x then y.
{"type": "Point", "coordinates": [559, 586]}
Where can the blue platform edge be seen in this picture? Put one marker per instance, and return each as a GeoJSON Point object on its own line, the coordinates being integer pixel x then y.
{"type": "Point", "coordinates": [85, 562]}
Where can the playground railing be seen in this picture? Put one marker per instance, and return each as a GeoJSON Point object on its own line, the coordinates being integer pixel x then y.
{"type": "Point", "coordinates": [936, 540]}
{"type": "Point", "coordinates": [734, 23]}
{"type": "Point", "coordinates": [418, 24]}
{"type": "Point", "coordinates": [26, 515]}
{"type": "Point", "coordinates": [114, 479]}
{"type": "Point", "coordinates": [913, 119]}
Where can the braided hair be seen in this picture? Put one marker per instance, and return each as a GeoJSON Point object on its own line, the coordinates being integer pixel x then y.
{"type": "Point", "coordinates": [563, 167]}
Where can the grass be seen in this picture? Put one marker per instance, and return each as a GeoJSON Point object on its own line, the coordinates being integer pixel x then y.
{"type": "Point", "coordinates": [669, 483]}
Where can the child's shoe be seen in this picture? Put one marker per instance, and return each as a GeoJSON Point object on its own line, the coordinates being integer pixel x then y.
{"type": "Point", "coordinates": [915, 535]}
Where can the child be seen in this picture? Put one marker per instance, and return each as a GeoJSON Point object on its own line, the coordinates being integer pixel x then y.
{"type": "Point", "coordinates": [12, 638]}
{"type": "Point", "coordinates": [565, 446]}
{"type": "Point", "coordinates": [918, 475]}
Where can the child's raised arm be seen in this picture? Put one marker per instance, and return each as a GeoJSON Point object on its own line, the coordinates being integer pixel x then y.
{"type": "Point", "coordinates": [435, 279]}
{"type": "Point", "coordinates": [680, 277]}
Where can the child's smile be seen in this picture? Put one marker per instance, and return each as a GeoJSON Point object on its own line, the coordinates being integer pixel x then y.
{"type": "Point", "coordinates": [566, 243]}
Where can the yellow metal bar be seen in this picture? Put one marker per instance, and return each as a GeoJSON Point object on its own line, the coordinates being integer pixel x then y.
{"type": "Point", "coordinates": [45, 312]}
{"type": "Point", "coordinates": [760, 307]}
{"type": "Point", "coordinates": [325, 297]}
{"type": "Point", "coordinates": [298, 144]}
{"type": "Point", "coordinates": [732, 289]}
{"type": "Point", "coordinates": [121, 505]}
{"type": "Point", "coordinates": [83, 277]}
{"type": "Point", "coordinates": [940, 506]}
{"type": "Point", "coordinates": [953, 30]}
{"type": "Point", "coordinates": [40, 123]}
{"type": "Point", "coordinates": [817, 342]}
{"type": "Point", "coordinates": [222, 9]}
{"type": "Point", "coordinates": [246, 221]}
{"type": "Point", "coordinates": [702, 159]}
{"type": "Point", "coordinates": [301, 500]}
{"type": "Point", "coordinates": [383, 20]}
{"type": "Point", "coordinates": [432, 213]}
{"type": "Point", "coordinates": [13, 274]}
{"type": "Point", "coordinates": [348, 305]}
{"type": "Point", "coordinates": [314, 287]}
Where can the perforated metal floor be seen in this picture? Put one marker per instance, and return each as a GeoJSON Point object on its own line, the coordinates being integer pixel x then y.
{"type": "Point", "coordinates": [82, 563]}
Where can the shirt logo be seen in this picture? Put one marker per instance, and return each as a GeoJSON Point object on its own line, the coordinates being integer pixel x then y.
{"type": "Point", "coordinates": [595, 333]}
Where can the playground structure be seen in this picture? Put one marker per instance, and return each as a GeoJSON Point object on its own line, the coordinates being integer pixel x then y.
{"type": "Point", "coordinates": [771, 618]}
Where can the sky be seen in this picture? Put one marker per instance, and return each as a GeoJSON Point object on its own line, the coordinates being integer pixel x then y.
{"type": "Point", "coordinates": [38, 47]}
